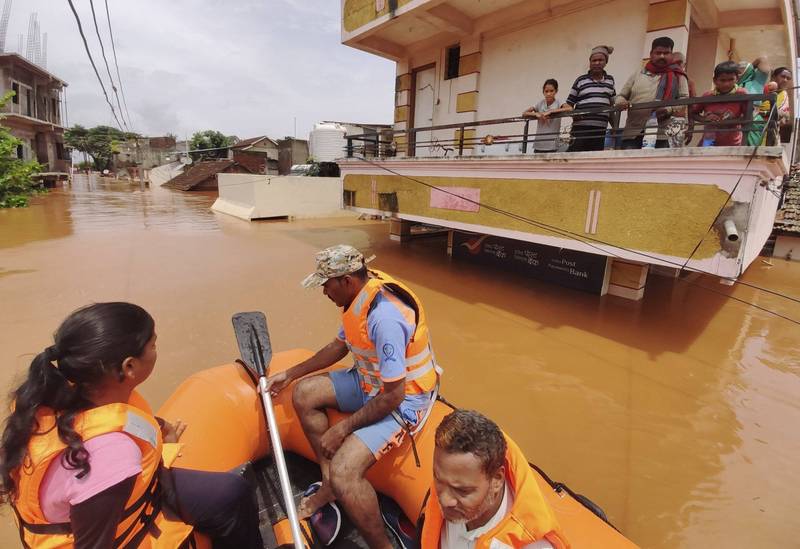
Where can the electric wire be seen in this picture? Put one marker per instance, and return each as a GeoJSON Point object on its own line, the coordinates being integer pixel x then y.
{"type": "Point", "coordinates": [575, 236]}
{"type": "Point", "coordinates": [91, 60]}
{"type": "Point", "coordinates": [116, 66]}
{"type": "Point", "coordinates": [772, 112]}
{"type": "Point", "coordinates": [105, 60]}
{"type": "Point", "coordinates": [585, 240]}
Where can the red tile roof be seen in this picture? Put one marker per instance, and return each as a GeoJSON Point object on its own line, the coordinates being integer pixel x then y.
{"type": "Point", "coordinates": [200, 172]}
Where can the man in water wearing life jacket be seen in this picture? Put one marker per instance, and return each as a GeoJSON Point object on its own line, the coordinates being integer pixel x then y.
{"type": "Point", "coordinates": [388, 391]}
{"type": "Point", "coordinates": [484, 494]}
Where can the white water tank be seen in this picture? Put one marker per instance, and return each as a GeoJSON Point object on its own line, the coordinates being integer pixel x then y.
{"type": "Point", "coordinates": [327, 143]}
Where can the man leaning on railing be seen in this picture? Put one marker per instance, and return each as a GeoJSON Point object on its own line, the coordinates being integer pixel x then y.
{"type": "Point", "coordinates": [659, 80]}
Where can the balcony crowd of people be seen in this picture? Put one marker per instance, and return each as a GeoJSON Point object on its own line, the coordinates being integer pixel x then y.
{"type": "Point", "coordinates": [664, 78]}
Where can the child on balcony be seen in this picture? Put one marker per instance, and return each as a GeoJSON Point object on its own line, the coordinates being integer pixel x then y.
{"type": "Point", "coordinates": [719, 118]}
{"type": "Point", "coordinates": [547, 129]}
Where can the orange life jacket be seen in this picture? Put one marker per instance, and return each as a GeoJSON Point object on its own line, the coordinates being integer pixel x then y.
{"type": "Point", "coordinates": [529, 520]}
{"type": "Point", "coordinates": [421, 369]}
{"type": "Point", "coordinates": [145, 523]}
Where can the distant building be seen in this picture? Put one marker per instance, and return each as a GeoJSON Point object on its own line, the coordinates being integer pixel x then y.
{"type": "Point", "coordinates": [374, 137]}
{"type": "Point", "coordinates": [145, 153]}
{"type": "Point", "coordinates": [291, 151]}
{"type": "Point", "coordinates": [34, 113]}
{"type": "Point", "coordinates": [257, 154]}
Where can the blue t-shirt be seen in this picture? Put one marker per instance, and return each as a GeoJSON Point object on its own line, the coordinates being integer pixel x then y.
{"type": "Point", "coordinates": [391, 334]}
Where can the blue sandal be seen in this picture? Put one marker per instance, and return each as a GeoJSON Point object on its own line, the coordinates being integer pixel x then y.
{"type": "Point", "coordinates": [327, 520]}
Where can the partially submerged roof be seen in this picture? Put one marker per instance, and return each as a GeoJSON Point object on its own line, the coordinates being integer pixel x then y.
{"type": "Point", "coordinates": [200, 172]}
{"type": "Point", "coordinates": [788, 218]}
{"type": "Point", "coordinates": [16, 59]}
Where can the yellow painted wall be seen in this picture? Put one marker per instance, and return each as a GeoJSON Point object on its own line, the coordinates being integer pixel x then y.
{"type": "Point", "coordinates": [658, 218]}
{"type": "Point", "coordinates": [401, 113]}
{"type": "Point", "coordinates": [469, 64]}
{"type": "Point", "coordinates": [665, 15]}
{"type": "Point", "coordinates": [467, 102]}
{"type": "Point", "coordinates": [358, 13]}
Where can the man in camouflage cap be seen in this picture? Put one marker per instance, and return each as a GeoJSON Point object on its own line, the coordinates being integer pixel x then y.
{"type": "Point", "coordinates": [334, 262]}
{"type": "Point", "coordinates": [388, 392]}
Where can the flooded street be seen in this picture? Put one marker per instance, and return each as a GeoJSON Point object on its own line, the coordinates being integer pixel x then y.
{"type": "Point", "coordinates": [678, 414]}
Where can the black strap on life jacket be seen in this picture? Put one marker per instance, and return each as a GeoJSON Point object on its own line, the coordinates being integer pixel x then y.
{"type": "Point", "coordinates": [404, 296]}
{"type": "Point", "coordinates": [65, 528]}
{"type": "Point", "coordinates": [148, 506]}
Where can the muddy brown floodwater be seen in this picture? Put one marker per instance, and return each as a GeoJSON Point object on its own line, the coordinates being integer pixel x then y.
{"type": "Point", "coordinates": [677, 414]}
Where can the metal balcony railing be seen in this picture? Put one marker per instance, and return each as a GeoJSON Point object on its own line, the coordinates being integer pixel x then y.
{"type": "Point", "coordinates": [519, 129]}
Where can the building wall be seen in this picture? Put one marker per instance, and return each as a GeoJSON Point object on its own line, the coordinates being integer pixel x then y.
{"type": "Point", "coordinates": [291, 151]}
{"type": "Point", "coordinates": [42, 95]}
{"type": "Point", "coordinates": [248, 197]}
{"type": "Point", "coordinates": [507, 69]}
{"type": "Point", "coordinates": [502, 75]}
{"type": "Point", "coordinates": [515, 66]}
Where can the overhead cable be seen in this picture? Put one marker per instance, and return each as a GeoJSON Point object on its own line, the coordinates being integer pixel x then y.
{"type": "Point", "coordinates": [105, 60]}
{"type": "Point", "coordinates": [116, 65]}
{"type": "Point", "coordinates": [91, 60]}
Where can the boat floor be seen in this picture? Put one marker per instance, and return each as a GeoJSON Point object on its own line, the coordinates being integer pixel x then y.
{"type": "Point", "coordinates": [263, 476]}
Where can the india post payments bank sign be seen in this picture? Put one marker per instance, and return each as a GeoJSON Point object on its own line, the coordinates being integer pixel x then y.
{"type": "Point", "coordinates": [578, 270]}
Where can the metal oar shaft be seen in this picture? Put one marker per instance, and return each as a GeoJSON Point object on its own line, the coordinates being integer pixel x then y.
{"type": "Point", "coordinates": [280, 463]}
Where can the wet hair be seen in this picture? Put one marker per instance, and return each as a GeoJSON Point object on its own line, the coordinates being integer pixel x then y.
{"type": "Point", "coordinates": [726, 67]}
{"type": "Point", "coordinates": [662, 42]}
{"type": "Point", "coordinates": [552, 82]}
{"type": "Point", "coordinates": [469, 432]}
{"type": "Point", "coordinates": [90, 345]}
{"type": "Point", "coordinates": [779, 70]}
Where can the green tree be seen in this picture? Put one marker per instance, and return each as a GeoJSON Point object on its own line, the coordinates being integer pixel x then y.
{"type": "Point", "coordinates": [16, 176]}
{"type": "Point", "coordinates": [210, 139]}
{"type": "Point", "coordinates": [100, 142]}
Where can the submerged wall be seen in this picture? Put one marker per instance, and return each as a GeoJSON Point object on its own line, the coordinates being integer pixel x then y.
{"type": "Point", "coordinates": [251, 197]}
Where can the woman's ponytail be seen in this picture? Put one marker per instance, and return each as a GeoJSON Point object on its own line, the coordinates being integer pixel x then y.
{"type": "Point", "coordinates": [45, 386]}
{"type": "Point", "coordinates": [90, 345]}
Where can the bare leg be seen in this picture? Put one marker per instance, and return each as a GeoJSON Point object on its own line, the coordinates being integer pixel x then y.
{"type": "Point", "coordinates": [355, 493]}
{"type": "Point", "coordinates": [310, 398]}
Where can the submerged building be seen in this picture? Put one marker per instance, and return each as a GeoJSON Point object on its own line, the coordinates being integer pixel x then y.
{"type": "Point", "coordinates": [33, 114]}
{"type": "Point", "coordinates": [463, 158]}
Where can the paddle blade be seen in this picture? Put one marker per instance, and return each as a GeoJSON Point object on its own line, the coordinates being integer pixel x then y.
{"type": "Point", "coordinates": [252, 337]}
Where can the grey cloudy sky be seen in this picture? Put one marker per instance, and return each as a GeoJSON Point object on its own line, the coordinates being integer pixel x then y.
{"type": "Point", "coordinates": [244, 67]}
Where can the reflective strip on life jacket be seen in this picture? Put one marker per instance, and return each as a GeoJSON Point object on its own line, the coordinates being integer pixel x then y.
{"type": "Point", "coordinates": [422, 372]}
{"type": "Point", "coordinates": [143, 523]}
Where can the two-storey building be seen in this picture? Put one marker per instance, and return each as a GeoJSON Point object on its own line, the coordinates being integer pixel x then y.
{"type": "Point", "coordinates": [464, 160]}
{"type": "Point", "coordinates": [34, 113]}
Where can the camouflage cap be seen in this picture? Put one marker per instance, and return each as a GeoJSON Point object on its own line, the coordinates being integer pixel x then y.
{"type": "Point", "coordinates": [335, 261]}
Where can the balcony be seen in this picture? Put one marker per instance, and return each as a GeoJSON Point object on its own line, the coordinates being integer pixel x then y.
{"type": "Point", "coordinates": [708, 209]}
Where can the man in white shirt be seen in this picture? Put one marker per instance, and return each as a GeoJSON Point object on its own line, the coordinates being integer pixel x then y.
{"type": "Point", "coordinates": [484, 495]}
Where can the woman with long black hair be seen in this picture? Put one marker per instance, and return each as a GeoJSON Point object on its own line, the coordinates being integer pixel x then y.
{"type": "Point", "coordinates": [81, 454]}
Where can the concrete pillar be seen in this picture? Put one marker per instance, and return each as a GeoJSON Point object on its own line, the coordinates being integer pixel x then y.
{"type": "Point", "coordinates": [627, 279]}
{"type": "Point", "coordinates": [399, 230]}
{"type": "Point", "coordinates": [468, 88]}
{"type": "Point", "coordinates": [402, 107]}
{"type": "Point", "coordinates": [668, 18]}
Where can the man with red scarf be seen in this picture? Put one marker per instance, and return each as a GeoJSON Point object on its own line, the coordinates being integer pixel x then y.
{"type": "Point", "coordinates": [659, 80]}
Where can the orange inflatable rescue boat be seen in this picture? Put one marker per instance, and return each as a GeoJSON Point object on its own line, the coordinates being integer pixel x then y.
{"type": "Point", "coordinates": [227, 431]}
